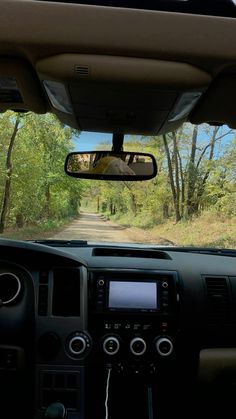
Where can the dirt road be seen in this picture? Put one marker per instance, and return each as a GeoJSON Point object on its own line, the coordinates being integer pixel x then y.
{"type": "Point", "coordinates": [92, 227]}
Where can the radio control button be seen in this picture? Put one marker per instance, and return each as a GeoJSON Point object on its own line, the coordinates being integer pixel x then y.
{"type": "Point", "coordinates": [164, 284]}
{"type": "Point", "coordinates": [101, 282]}
{"type": "Point", "coordinates": [138, 346]}
{"type": "Point", "coordinates": [111, 345]}
{"type": "Point", "coordinates": [117, 326]}
{"type": "Point", "coordinates": [146, 327]}
{"type": "Point", "coordinates": [137, 326]}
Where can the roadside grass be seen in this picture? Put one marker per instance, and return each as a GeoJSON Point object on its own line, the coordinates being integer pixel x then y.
{"type": "Point", "coordinates": [141, 221]}
{"type": "Point", "coordinates": [208, 230]}
{"type": "Point", "coordinates": [38, 231]}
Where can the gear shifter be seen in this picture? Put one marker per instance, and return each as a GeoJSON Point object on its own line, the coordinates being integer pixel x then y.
{"type": "Point", "coordinates": [55, 411]}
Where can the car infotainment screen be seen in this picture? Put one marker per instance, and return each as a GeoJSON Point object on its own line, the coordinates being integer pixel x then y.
{"type": "Point", "coordinates": [132, 295]}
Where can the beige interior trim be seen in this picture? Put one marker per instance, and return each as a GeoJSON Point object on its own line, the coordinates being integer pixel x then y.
{"type": "Point", "coordinates": [124, 69]}
{"type": "Point", "coordinates": [57, 28]}
{"type": "Point", "coordinates": [173, 43]}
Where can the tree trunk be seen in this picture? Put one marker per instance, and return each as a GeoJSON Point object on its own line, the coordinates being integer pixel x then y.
{"type": "Point", "coordinates": [191, 207]}
{"type": "Point", "coordinates": [165, 211]}
{"type": "Point", "coordinates": [133, 204]}
{"type": "Point", "coordinates": [177, 174]}
{"type": "Point", "coordinates": [182, 205]}
{"type": "Point", "coordinates": [202, 186]}
{"type": "Point", "coordinates": [172, 183]}
{"type": "Point", "coordinates": [47, 201]}
{"type": "Point", "coordinates": [7, 187]}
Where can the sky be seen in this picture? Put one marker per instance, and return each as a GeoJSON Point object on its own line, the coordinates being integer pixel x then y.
{"type": "Point", "coordinates": [87, 141]}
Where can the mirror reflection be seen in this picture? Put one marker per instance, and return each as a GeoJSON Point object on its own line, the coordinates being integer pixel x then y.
{"type": "Point", "coordinates": [108, 163]}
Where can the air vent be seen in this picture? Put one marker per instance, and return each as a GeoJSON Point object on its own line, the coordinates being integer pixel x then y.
{"type": "Point", "coordinates": [82, 70]}
{"type": "Point", "coordinates": [219, 301]}
{"type": "Point", "coordinates": [66, 292]}
{"type": "Point", "coordinates": [135, 253]}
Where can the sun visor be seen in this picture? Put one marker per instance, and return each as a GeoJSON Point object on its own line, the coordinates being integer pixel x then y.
{"type": "Point", "coordinates": [218, 104]}
{"type": "Point", "coordinates": [121, 94]}
{"type": "Point", "coordinates": [20, 89]}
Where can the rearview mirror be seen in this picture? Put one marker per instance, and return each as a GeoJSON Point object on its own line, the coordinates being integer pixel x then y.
{"type": "Point", "coordinates": [108, 165]}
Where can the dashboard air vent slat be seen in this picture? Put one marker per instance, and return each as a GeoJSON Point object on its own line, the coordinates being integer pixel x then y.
{"type": "Point", "coordinates": [219, 301]}
{"type": "Point", "coordinates": [135, 253]}
{"type": "Point", "coordinates": [82, 70]}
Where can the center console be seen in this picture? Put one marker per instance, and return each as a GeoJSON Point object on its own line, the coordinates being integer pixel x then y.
{"type": "Point", "coordinates": [133, 322]}
{"type": "Point", "coordinates": [100, 334]}
{"type": "Point", "coordinates": [133, 318]}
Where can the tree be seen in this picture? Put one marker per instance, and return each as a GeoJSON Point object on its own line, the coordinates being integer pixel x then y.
{"type": "Point", "coordinates": [8, 176]}
{"type": "Point", "coordinates": [173, 172]}
{"type": "Point", "coordinates": [190, 154]}
{"type": "Point", "coordinates": [39, 189]}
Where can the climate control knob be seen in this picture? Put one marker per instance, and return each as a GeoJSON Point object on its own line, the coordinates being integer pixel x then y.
{"type": "Point", "coordinates": [111, 345]}
{"type": "Point", "coordinates": [138, 346]}
{"type": "Point", "coordinates": [164, 346]}
{"type": "Point", "coordinates": [78, 344]}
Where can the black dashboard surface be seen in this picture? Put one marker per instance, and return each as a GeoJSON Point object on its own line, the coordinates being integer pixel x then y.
{"type": "Point", "coordinates": [63, 331]}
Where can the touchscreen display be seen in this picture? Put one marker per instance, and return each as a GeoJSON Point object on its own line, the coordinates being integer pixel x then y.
{"type": "Point", "coordinates": [132, 295]}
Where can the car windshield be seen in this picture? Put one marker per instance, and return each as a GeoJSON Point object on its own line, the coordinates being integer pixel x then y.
{"type": "Point", "coordinates": [193, 192]}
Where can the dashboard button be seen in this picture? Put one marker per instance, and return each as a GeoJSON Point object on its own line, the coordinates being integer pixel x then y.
{"type": "Point", "coordinates": [127, 326]}
{"type": "Point", "coordinates": [138, 346]}
{"type": "Point", "coordinates": [164, 346]}
{"type": "Point", "coordinates": [146, 327]}
{"type": "Point", "coordinates": [111, 345]}
{"type": "Point", "coordinates": [79, 343]}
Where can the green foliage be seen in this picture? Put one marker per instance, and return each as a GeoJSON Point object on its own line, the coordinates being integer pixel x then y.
{"type": "Point", "coordinates": [202, 160]}
{"type": "Point", "coordinates": [40, 190]}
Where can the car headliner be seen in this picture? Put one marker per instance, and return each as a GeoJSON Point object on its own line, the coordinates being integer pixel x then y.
{"type": "Point", "coordinates": [123, 69]}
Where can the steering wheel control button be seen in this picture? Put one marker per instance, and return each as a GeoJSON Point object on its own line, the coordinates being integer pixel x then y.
{"type": "Point", "coordinates": [111, 345]}
{"type": "Point", "coordinates": [164, 346]}
{"type": "Point", "coordinates": [138, 346]}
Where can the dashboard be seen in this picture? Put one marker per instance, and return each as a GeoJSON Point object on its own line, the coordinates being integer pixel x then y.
{"type": "Point", "coordinates": [116, 331]}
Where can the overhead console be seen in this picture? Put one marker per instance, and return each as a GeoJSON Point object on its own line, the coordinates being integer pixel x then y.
{"type": "Point", "coordinates": [121, 94]}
